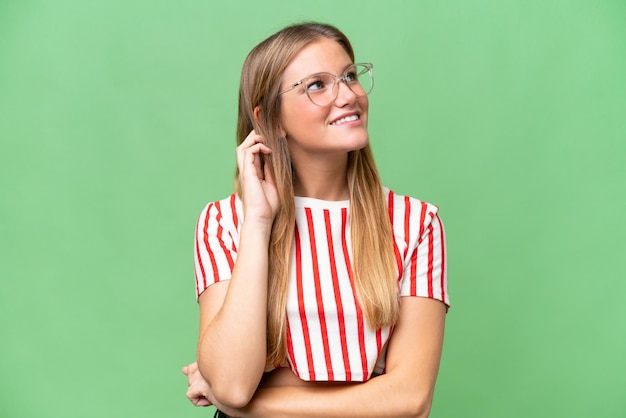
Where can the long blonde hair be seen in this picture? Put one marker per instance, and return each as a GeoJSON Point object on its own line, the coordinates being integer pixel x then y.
{"type": "Point", "coordinates": [373, 262]}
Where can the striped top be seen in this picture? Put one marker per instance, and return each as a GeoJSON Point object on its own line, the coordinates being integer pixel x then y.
{"type": "Point", "coordinates": [328, 338]}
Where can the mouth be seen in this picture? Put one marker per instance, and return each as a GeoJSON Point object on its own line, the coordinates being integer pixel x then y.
{"type": "Point", "coordinates": [345, 119]}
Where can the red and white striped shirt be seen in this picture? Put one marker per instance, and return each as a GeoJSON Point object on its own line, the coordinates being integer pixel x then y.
{"type": "Point", "coordinates": [328, 338]}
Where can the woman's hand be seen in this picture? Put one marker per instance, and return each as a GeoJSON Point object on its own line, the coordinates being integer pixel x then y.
{"type": "Point", "coordinates": [259, 193]}
{"type": "Point", "coordinates": [198, 391]}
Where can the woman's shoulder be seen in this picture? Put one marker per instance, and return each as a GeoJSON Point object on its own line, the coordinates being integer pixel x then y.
{"type": "Point", "coordinates": [411, 217]}
{"type": "Point", "coordinates": [400, 202]}
{"type": "Point", "coordinates": [231, 200]}
{"type": "Point", "coordinates": [228, 209]}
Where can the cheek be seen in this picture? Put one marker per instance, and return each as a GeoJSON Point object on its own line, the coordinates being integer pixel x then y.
{"type": "Point", "coordinates": [364, 103]}
{"type": "Point", "coordinates": [304, 118]}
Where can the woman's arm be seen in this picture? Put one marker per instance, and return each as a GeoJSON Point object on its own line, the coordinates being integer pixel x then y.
{"type": "Point", "coordinates": [231, 345]}
{"type": "Point", "coordinates": [232, 340]}
{"type": "Point", "coordinates": [405, 390]}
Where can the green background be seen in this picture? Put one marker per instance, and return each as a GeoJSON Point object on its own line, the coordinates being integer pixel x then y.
{"type": "Point", "coordinates": [117, 123]}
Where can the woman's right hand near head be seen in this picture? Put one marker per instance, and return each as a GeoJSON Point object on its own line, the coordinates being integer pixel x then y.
{"type": "Point", "coordinates": [259, 193]}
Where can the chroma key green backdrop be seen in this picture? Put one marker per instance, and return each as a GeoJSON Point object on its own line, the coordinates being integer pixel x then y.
{"type": "Point", "coordinates": [117, 123]}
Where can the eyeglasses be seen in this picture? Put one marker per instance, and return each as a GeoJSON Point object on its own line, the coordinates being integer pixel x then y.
{"type": "Point", "coordinates": [323, 88]}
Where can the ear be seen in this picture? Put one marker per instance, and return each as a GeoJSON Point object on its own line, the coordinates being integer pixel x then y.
{"type": "Point", "coordinates": [257, 118]}
{"type": "Point", "coordinates": [257, 114]}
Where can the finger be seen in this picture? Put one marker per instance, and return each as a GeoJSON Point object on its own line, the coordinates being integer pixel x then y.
{"type": "Point", "coordinates": [252, 139]}
{"type": "Point", "coordinates": [258, 163]}
{"type": "Point", "coordinates": [198, 400]}
{"type": "Point", "coordinates": [191, 377]}
{"type": "Point", "coordinates": [203, 402]}
{"type": "Point", "coordinates": [258, 148]}
{"type": "Point", "coordinates": [268, 174]}
{"type": "Point", "coordinates": [192, 367]}
{"type": "Point", "coordinates": [252, 160]}
{"type": "Point", "coordinates": [197, 396]}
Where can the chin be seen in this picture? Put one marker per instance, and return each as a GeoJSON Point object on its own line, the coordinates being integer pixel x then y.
{"type": "Point", "coordinates": [357, 142]}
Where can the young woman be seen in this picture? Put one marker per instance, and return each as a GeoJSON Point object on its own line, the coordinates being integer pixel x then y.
{"type": "Point", "coordinates": [321, 292]}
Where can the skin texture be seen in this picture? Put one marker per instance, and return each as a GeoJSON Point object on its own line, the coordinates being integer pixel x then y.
{"type": "Point", "coordinates": [234, 311]}
{"type": "Point", "coordinates": [230, 374]}
{"type": "Point", "coordinates": [318, 148]}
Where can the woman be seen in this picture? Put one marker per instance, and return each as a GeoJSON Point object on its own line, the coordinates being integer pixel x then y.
{"type": "Point", "coordinates": [321, 293]}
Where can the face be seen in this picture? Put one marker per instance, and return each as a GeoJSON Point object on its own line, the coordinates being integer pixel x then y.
{"type": "Point", "coordinates": [320, 132]}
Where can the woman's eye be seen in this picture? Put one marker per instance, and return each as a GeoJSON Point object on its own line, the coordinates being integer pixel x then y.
{"type": "Point", "coordinates": [315, 85]}
{"type": "Point", "coordinates": [351, 76]}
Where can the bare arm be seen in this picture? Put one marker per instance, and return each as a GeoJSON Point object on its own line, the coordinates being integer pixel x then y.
{"type": "Point", "coordinates": [231, 346]}
{"type": "Point", "coordinates": [405, 390]}
{"type": "Point", "coordinates": [232, 340]}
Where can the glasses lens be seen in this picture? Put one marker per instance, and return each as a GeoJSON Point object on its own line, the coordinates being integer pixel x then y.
{"type": "Point", "coordinates": [321, 89]}
{"type": "Point", "coordinates": [359, 78]}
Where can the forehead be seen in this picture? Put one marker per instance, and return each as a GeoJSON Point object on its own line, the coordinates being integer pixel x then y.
{"type": "Point", "coordinates": [323, 55]}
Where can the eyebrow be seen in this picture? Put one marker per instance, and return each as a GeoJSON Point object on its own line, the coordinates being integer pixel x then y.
{"type": "Point", "coordinates": [316, 73]}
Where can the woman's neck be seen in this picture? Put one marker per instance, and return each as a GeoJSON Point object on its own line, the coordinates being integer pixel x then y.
{"type": "Point", "coordinates": [324, 180]}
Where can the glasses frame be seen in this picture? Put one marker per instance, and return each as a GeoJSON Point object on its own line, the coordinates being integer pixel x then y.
{"type": "Point", "coordinates": [336, 79]}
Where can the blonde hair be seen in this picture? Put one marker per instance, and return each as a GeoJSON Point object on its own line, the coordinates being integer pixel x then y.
{"type": "Point", "coordinates": [374, 270]}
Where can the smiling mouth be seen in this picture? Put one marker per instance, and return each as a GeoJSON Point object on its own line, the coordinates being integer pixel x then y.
{"type": "Point", "coordinates": [350, 118]}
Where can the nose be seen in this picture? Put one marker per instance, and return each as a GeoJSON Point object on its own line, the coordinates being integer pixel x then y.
{"type": "Point", "coordinates": [345, 95]}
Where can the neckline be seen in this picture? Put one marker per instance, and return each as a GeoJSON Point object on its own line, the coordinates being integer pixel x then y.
{"type": "Point", "coordinates": [311, 202]}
